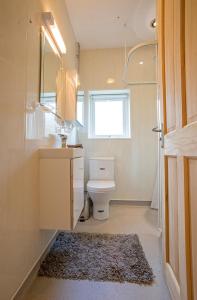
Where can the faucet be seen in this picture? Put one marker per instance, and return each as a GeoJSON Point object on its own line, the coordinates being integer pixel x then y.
{"type": "Point", "coordinates": [63, 140]}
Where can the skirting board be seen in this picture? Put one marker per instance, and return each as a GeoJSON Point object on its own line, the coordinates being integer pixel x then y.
{"type": "Point", "coordinates": [130, 202]}
{"type": "Point", "coordinates": [31, 275]}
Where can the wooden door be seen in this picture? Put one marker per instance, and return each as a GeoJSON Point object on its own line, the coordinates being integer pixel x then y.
{"type": "Point", "coordinates": [177, 39]}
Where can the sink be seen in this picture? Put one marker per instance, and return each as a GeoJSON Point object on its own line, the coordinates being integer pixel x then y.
{"type": "Point", "coordinates": [68, 153]}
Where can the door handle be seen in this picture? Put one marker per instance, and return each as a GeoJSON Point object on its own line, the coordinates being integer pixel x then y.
{"type": "Point", "coordinates": [156, 129]}
{"type": "Point", "coordinates": [160, 130]}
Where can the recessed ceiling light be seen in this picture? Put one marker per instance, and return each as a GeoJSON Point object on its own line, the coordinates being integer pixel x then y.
{"type": "Point", "coordinates": [110, 80]}
{"type": "Point", "coordinates": [141, 62]}
{"type": "Point", "coordinates": [153, 23]}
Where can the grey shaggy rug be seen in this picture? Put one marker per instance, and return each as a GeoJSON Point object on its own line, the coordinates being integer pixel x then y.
{"type": "Point", "coordinates": [99, 257]}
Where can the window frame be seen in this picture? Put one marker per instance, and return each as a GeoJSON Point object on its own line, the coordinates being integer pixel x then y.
{"type": "Point", "coordinates": [126, 114]}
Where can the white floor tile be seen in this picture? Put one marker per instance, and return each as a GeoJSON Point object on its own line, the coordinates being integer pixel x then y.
{"type": "Point", "coordinates": [123, 219]}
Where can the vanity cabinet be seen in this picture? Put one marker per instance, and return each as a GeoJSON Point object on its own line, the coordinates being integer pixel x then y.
{"type": "Point", "coordinates": [61, 188]}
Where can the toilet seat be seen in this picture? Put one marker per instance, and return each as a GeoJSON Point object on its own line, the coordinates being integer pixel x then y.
{"type": "Point", "coordinates": [100, 186]}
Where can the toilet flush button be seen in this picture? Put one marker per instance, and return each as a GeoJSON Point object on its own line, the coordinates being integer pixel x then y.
{"type": "Point", "coordinates": [102, 169]}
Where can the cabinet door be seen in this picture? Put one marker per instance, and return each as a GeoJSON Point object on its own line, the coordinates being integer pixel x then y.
{"type": "Point", "coordinates": [77, 188]}
{"type": "Point", "coordinates": [55, 194]}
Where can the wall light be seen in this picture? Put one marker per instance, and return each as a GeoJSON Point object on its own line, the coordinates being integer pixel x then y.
{"type": "Point", "coordinates": [110, 80]}
{"type": "Point", "coordinates": [141, 62]}
{"type": "Point", "coordinates": [51, 26]}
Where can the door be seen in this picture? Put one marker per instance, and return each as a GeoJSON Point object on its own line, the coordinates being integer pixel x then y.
{"type": "Point", "coordinates": [177, 38]}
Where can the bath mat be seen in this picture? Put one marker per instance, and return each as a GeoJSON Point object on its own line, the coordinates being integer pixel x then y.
{"type": "Point", "coordinates": [99, 257]}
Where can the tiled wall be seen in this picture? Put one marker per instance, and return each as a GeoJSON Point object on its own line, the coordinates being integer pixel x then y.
{"type": "Point", "coordinates": [23, 131]}
{"type": "Point", "coordinates": [135, 158]}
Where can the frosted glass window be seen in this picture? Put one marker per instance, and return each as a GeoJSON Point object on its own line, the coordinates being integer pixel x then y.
{"type": "Point", "coordinates": [109, 114]}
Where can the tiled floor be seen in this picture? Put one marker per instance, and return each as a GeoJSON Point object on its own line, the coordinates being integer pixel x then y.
{"type": "Point", "coordinates": [123, 219]}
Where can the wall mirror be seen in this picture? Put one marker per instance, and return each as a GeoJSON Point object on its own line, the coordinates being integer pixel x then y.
{"type": "Point", "coordinates": [80, 107]}
{"type": "Point", "coordinates": [50, 72]}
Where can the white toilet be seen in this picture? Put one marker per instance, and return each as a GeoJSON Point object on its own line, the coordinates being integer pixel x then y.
{"type": "Point", "coordinates": [100, 185]}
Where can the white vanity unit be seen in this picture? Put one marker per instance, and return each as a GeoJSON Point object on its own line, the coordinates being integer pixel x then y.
{"type": "Point", "coordinates": [61, 187]}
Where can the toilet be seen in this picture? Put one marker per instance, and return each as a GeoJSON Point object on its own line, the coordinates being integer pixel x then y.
{"type": "Point", "coordinates": [100, 185]}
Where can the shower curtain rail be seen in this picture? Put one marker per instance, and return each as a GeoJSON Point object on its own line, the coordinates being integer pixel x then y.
{"type": "Point", "coordinates": [127, 60]}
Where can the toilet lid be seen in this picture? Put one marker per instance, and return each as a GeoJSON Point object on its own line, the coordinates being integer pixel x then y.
{"type": "Point", "coordinates": [100, 185]}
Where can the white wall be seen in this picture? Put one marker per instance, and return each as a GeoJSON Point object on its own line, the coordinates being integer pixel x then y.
{"type": "Point", "coordinates": [135, 164]}
{"type": "Point", "coordinates": [22, 132]}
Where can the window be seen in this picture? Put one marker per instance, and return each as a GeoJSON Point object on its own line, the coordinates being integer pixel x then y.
{"type": "Point", "coordinates": [109, 114]}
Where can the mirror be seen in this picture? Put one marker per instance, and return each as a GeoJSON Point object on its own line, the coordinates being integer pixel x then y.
{"type": "Point", "coordinates": [50, 72]}
{"type": "Point", "coordinates": [80, 107]}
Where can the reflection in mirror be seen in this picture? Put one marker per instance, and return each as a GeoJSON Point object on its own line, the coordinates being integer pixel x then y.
{"type": "Point", "coordinates": [80, 107]}
{"type": "Point", "coordinates": [50, 72]}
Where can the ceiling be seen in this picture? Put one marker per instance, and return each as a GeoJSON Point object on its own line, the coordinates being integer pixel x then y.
{"type": "Point", "coordinates": [109, 23]}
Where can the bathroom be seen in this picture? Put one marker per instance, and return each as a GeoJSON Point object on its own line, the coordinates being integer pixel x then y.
{"type": "Point", "coordinates": [134, 167]}
{"type": "Point", "coordinates": [43, 142]}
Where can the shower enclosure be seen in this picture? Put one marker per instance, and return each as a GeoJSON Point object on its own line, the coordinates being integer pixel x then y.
{"type": "Point", "coordinates": [145, 54]}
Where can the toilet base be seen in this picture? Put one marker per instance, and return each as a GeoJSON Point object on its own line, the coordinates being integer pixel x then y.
{"type": "Point", "coordinates": [100, 212]}
{"type": "Point", "coordinates": [100, 205]}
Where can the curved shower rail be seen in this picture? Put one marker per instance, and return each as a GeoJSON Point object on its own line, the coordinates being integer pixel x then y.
{"type": "Point", "coordinates": [127, 60]}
